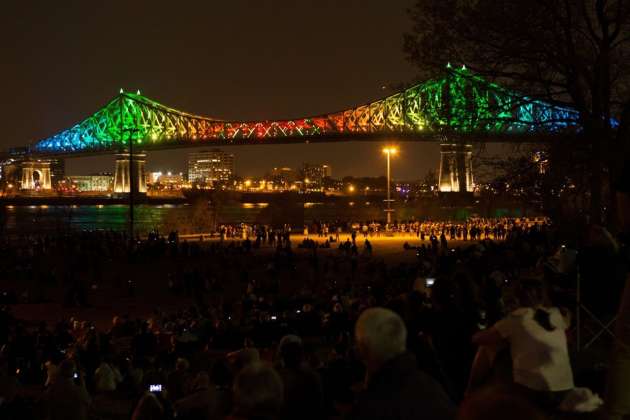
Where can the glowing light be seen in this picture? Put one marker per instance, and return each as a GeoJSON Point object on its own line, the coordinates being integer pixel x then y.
{"type": "Point", "coordinates": [390, 150]}
{"type": "Point", "coordinates": [351, 188]}
{"type": "Point", "coordinates": [460, 102]}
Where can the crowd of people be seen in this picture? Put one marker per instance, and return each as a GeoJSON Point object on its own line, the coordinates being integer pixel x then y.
{"type": "Point", "coordinates": [270, 331]}
{"type": "Point", "coordinates": [470, 229]}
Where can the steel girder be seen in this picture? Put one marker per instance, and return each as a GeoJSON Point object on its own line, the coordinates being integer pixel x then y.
{"type": "Point", "coordinates": [459, 103]}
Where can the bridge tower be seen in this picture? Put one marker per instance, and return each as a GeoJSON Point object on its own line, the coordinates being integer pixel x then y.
{"type": "Point", "coordinates": [456, 174]}
{"type": "Point", "coordinates": [36, 175]}
{"type": "Point", "coordinates": [122, 182]}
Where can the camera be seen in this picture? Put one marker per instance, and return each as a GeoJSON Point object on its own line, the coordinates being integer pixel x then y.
{"type": "Point", "coordinates": [430, 281]}
{"type": "Point", "coordinates": [155, 388]}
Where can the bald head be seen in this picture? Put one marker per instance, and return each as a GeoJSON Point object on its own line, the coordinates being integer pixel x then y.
{"type": "Point", "coordinates": [381, 335]}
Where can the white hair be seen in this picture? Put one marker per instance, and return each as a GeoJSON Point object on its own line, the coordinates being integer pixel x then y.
{"type": "Point", "coordinates": [381, 333]}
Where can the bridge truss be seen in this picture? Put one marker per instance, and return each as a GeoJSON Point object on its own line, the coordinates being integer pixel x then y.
{"type": "Point", "coordinates": [458, 104]}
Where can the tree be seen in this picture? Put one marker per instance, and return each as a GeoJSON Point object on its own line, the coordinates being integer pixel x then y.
{"type": "Point", "coordinates": [571, 51]}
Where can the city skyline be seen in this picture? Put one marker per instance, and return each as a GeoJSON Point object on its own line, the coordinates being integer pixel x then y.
{"type": "Point", "coordinates": [415, 161]}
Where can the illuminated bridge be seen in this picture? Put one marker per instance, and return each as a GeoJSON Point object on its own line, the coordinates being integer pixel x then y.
{"type": "Point", "coordinates": [456, 110]}
{"type": "Point", "coordinates": [460, 103]}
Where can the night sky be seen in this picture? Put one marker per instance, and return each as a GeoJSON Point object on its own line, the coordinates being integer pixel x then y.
{"type": "Point", "coordinates": [230, 59]}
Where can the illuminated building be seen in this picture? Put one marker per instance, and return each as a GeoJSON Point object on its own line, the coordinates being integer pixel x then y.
{"type": "Point", "coordinates": [95, 183]}
{"type": "Point", "coordinates": [315, 173]}
{"type": "Point", "coordinates": [36, 175]}
{"type": "Point", "coordinates": [9, 170]}
{"type": "Point", "coordinates": [210, 166]}
{"type": "Point", "coordinates": [283, 177]}
{"type": "Point", "coordinates": [170, 178]}
{"type": "Point", "coordinates": [153, 177]}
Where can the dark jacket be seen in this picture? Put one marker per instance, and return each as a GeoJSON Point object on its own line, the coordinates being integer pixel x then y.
{"type": "Point", "coordinates": [399, 390]}
{"type": "Point", "coordinates": [303, 396]}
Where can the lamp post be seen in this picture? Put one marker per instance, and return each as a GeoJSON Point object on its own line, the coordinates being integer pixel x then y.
{"type": "Point", "coordinates": [389, 151]}
{"type": "Point", "coordinates": [132, 186]}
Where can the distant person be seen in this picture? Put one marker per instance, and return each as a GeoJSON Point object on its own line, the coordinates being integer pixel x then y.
{"type": "Point", "coordinates": [67, 398]}
{"type": "Point", "coordinates": [395, 387]}
{"type": "Point", "coordinates": [258, 394]}
{"type": "Point", "coordinates": [202, 401]}
{"type": "Point", "coordinates": [303, 395]}
{"type": "Point", "coordinates": [106, 377]}
{"type": "Point", "coordinates": [177, 380]}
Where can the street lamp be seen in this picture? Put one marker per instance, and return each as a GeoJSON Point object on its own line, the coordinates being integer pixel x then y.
{"type": "Point", "coordinates": [132, 179]}
{"type": "Point", "coordinates": [389, 151]}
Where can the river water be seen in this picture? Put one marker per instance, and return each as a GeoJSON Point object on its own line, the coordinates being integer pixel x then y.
{"type": "Point", "coordinates": [115, 217]}
{"type": "Point", "coordinates": [187, 218]}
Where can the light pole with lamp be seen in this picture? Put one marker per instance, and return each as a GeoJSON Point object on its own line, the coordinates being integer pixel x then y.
{"type": "Point", "coordinates": [132, 174]}
{"type": "Point", "coordinates": [389, 151]}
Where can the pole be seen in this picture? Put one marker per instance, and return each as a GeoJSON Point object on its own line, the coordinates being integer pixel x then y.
{"type": "Point", "coordinates": [389, 201]}
{"type": "Point", "coordinates": [131, 185]}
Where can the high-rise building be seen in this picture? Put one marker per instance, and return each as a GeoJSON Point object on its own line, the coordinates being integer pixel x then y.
{"type": "Point", "coordinates": [283, 177]}
{"type": "Point", "coordinates": [315, 173]}
{"type": "Point", "coordinates": [210, 166]}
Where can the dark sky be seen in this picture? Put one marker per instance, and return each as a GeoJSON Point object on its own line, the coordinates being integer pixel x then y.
{"type": "Point", "coordinates": [232, 59]}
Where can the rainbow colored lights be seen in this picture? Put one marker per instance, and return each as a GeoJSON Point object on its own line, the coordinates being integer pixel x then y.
{"type": "Point", "coordinates": [458, 103]}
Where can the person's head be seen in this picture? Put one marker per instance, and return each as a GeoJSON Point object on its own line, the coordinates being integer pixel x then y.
{"type": "Point", "coordinates": [532, 292]}
{"type": "Point", "coordinates": [291, 351]}
{"type": "Point", "coordinates": [201, 381]}
{"type": "Point", "coordinates": [258, 392]}
{"type": "Point", "coordinates": [243, 358]}
{"type": "Point", "coordinates": [182, 364]}
{"type": "Point", "coordinates": [381, 335]}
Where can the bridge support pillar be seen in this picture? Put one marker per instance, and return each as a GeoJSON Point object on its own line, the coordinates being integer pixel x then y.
{"type": "Point", "coordinates": [36, 175]}
{"type": "Point", "coordinates": [456, 174]}
{"type": "Point", "coordinates": [122, 182]}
